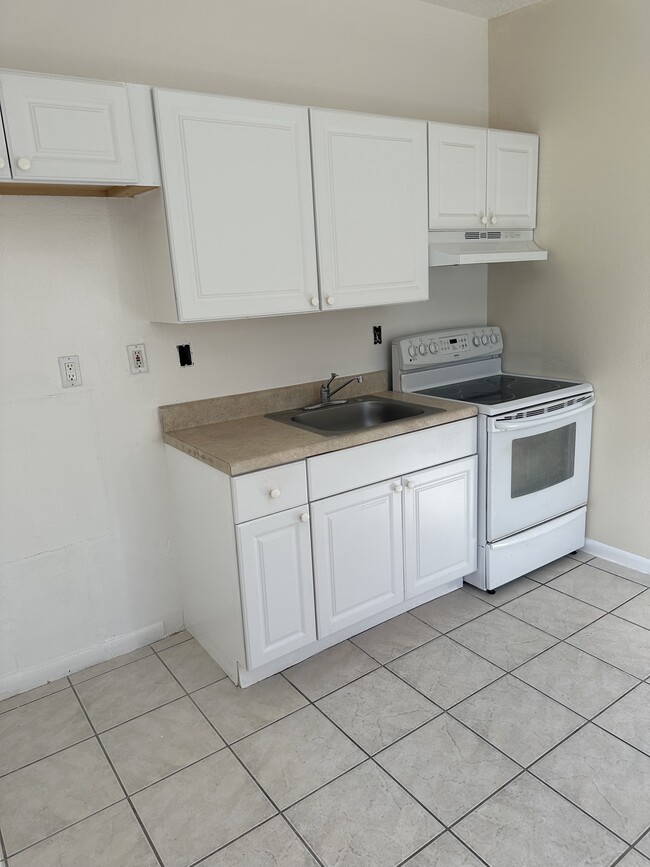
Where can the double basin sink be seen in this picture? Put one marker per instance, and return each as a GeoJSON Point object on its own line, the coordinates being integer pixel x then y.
{"type": "Point", "coordinates": [358, 413]}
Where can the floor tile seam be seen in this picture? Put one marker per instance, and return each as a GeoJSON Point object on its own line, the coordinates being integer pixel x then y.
{"type": "Point", "coordinates": [578, 807]}
{"type": "Point", "coordinates": [519, 617]}
{"type": "Point", "coordinates": [627, 620]}
{"type": "Point", "coordinates": [302, 840]}
{"type": "Point", "coordinates": [539, 629]}
{"type": "Point", "coordinates": [640, 679]}
{"type": "Point", "coordinates": [621, 739]}
{"type": "Point", "coordinates": [239, 740]}
{"type": "Point", "coordinates": [30, 764]}
{"type": "Point", "coordinates": [33, 700]}
{"type": "Point", "coordinates": [178, 643]}
{"type": "Point", "coordinates": [566, 706]}
{"type": "Point", "coordinates": [173, 773]}
{"type": "Point", "coordinates": [500, 604]}
{"type": "Point", "coordinates": [409, 859]}
{"type": "Point", "coordinates": [102, 732]}
{"type": "Point", "coordinates": [483, 801]}
{"type": "Point", "coordinates": [443, 825]}
{"type": "Point", "coordinates": [593, 604]}
{"type": "Point", "coordinates": [399, 656]}
{"type": "Point", "coordinates": [556, 641]}
{"type": "Point", "coordinates": [471, 619]}
{"type": "Point", "coordinates": [616, 575]}
{"type": "Point", "coordinates": [119, 781]}
{"type": "Point", "coordinates": [111, 670]}
{"type": "Point", "coordinates": [378, 665]}
{"type": "Point", "coordinates": [3, 848]}
{"type": "Point", "coordinates": [469, 649]}
{"type": "Point", "coordinates": [620, 859]}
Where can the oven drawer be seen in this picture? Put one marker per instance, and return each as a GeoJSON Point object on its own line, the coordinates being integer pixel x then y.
{"type": "Point", "coordinates": [522, 553]}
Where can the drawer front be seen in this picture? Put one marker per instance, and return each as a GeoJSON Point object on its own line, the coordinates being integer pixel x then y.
{"type": "Point", "coordinates": [352, 468]}
{"type": "Point", "coordinates": [269, 491]}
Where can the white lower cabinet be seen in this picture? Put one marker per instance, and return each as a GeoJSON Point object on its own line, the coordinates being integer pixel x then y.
{"type": "Point", "coordinates": [277, 584]}
{"type": "Point", "coordinates": [358, 559]}
{"type": "Point", "coordinates": [439, 525]}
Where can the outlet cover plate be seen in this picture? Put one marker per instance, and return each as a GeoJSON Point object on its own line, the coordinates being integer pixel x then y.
{"type": "Point", "coordinates": [137, 358]}
{"type": "Point", "coordinates": [70, 370]}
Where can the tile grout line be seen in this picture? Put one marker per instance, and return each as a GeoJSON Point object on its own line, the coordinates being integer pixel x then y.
{"type": "Point", "coordinates": [240, 762]}
{"type": "Point", "coordinates": [118, 778]}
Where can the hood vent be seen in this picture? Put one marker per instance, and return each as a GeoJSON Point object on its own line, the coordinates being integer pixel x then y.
{"type": "Point", "coordinates": [475, 248]}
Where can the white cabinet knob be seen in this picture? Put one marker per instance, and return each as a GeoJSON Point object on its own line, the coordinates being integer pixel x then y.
{"type": "Point", "coordinates": [484, 220]}
{"type": "Point", "coordinates": [2, 163]}
{"type": "Point", "coordinates": [314, 302]}
{"type": "Point", "coordinates": [410, 485]}
{"type": "Point", "coordinates": [274, 494]}
{"type": "Point", "coordinates": [24, 164]}
{"type": "Point", "coordinates": [331, 300]}
{"type": "Point", "coordinates": [493, 219]}
{"type": "Point", "coordinates": [398, 489]}
{"type": "Point", "coordinates": [305, 518]}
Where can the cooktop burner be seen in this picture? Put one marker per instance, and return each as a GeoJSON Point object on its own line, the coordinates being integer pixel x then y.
{"type": "Point", "coordinates": [493, 390]}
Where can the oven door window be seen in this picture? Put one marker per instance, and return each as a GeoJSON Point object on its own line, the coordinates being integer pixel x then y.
{"type": "Point", "coordinates": [542, 460]}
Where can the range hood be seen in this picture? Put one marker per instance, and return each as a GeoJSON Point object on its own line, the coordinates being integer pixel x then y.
{"type": "Point", "coordinates": [481, 247]}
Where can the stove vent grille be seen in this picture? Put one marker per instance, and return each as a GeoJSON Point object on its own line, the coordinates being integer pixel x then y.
{"type": "Point", "coordinates": [549, 409]}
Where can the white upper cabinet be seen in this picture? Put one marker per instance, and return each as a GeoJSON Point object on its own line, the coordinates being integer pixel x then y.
{"type": "Point", "coordinates": [512, 179]}
{"type": "Point", "coordinates": [481, 179]}
{"type": "Point", "coordinates": [67, 130]}
{"type": "Point", "coordinates": [370, 181]}
{"type": "Point", "coordinates": [457, 176]}
{"type": "Point", "coordinates": [238, 199]}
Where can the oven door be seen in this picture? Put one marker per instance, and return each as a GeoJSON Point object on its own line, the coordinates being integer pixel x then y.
{"type": "Point", "coordinates": [538, 465]}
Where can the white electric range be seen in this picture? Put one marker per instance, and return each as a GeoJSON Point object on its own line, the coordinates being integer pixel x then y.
{"type": "Point", "coordinates": [534, 443]}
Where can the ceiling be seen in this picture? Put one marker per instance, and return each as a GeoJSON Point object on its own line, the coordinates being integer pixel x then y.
{"type": "Point", "coordinates": [483, 8]}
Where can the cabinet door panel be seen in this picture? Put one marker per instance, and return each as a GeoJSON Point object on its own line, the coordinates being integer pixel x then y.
{"type": "Point", "coordinates": [238, 196]}
{"type": "Point", "coordinates": [512, 179]}
{"type": "Point", "coordinates": [277, 585]}
{"type": "Point", "coordinates": [457, 176]}
{"type": "Point", "coordinates": [370, 195]}
{"type": "Point", "coordinates": [68, 129]}
{"type": "Point", "coordinates": [440, 525]}
{"type": "Point", "coordinates": [357, 539]}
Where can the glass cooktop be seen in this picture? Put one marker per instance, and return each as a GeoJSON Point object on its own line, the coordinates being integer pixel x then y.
{"type": "Point", "coordinates": [493, 390]}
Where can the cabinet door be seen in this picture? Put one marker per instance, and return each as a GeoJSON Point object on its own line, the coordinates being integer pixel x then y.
{"type": "Point", "coordinates": [238, 196]}
{"type": "Point", "coordinates": [357, 540]}
{"type": "Point", "coordinates": [65, 129]}
{"type": "Point", "coordinates": [512, 179]}
{"type": "Point", "coordinates": [370, 176]}
{"type": "Point", "coordinates": [440, 525]}
{"type": "Point", "coordinates": [457, 176]}
{"type": "Point", "coordinates": [277, 585]}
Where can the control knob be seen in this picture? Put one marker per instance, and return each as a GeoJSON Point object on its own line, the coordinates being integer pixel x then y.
{"type": "Point", "coordinates": [485, 340]}
{"type": "Point", "coordinates": [423, 349]}
{"type": "Point", "coordinates": [494, 338]}
{"type": "Point", "coordinates": [412, 351]}
{"type": "Point", "coordinates": [476, 340]}
{"type": "Point", "coordinates": [433, 347]}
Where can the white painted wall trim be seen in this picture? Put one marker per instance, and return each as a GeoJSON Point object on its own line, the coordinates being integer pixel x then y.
{"type": "Point", "coordinates": [617, 555]}
{"type": "Point", "coordinates": [29, 678]}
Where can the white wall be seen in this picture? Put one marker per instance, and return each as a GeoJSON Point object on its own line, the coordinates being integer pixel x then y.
{"type": "Point", "coordinates": [577, 73]}
{"type": "Point", "coordinates": [85, 519]}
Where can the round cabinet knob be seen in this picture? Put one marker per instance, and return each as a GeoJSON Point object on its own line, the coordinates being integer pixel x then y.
{"type": "Point", "coordinates": [2, 163]}
{"type": "Point", "coordinates": [410, 485]}
{"type": "Point", "coordinates": [485, 340]}
{"type": "Point", "coordinates": [433, 347]}
{"type": "Point", "coordinates": [314, 302]}
{"type": "Point", "coordinates": [484, 220]}
{"type": "Point", "coordinates": [494, 338]}
{"type": "Point", "coordinates": [493, 219]}
{"type": "Point", "coordinates": [422, 349]}
{"type": "Point", "coordinates": [476, 340]}
{"type": "Point", "coordinates": [412, 351]}
{"type": "Point", "coordinates": [24, 164]}
{"type": "Point", "coordinates": [274, 494]}
{"type": "Point", "coordinates": [305, 517]}
{"type": "Point", "coordinates": [398, 489]}
{"type": "Point", "coordinates": [331, 300]}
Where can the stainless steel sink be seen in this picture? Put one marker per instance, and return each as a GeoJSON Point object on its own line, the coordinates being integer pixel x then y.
{"type": "Point", "coordinates": [356, 414]}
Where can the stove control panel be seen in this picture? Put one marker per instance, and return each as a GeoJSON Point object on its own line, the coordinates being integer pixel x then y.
{"type": "Point", "coordinates": [442, 347]}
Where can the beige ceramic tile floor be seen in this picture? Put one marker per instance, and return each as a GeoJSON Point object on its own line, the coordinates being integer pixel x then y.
{"type": "Point", "coordinates": [509, 730]}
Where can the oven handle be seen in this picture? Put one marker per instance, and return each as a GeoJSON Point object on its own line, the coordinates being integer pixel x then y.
{"type": "Point", "coordinates": [541, 419]}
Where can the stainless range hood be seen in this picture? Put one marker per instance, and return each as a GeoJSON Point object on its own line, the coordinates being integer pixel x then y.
{"type": "Point", "coordinates": [481, 247]}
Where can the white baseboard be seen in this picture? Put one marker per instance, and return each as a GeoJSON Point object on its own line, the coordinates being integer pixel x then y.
{"type": "Point", "coordinates": [21, 681]}
{"type": "Point", "coordinates": [617, 555]}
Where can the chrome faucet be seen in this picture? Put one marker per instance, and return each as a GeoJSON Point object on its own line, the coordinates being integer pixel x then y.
{"type": "Point", "coordinates": [326, 393]}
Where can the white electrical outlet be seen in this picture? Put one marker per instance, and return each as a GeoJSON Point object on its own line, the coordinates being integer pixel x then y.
{"type": "Point", "coordinates": [137, 358]}
{"type": "Point", "coordinates": [70, 371]}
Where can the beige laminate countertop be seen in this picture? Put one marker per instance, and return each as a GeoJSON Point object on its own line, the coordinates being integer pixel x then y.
{"type": "Point", "coordinates": [245, 444]}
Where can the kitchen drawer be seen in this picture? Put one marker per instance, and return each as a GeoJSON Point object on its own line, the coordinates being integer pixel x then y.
{"type": "Point", "coordinates": [269, 491]}
{"type": "Point", "coordinates": [336, 472]}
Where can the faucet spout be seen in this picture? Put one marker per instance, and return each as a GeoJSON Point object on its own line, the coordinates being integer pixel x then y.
{"type": "Point", "coordinates": [326, 393]}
